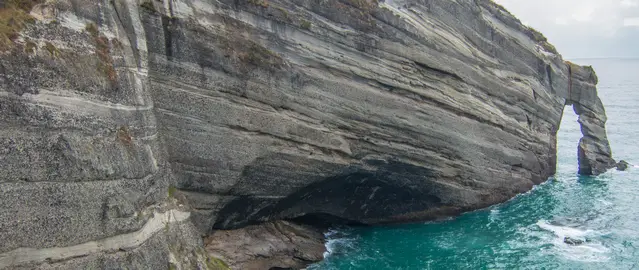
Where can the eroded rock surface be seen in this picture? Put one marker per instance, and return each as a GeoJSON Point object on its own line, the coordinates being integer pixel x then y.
{"type": "Point", "coordinates": [253, 111]}
{"type": "Point", "coordinates": [622, 165]}
{"type": "Point", "coordinates": [273, 245]}
{"type": "Point", "coordinates": [595, 156]}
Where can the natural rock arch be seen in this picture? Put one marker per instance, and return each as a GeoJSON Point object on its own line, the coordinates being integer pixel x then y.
{"type": "Point", "coordinates": [594, 153]}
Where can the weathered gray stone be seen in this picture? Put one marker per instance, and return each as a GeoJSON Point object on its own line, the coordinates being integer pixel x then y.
{"type": "Point", "coordinates": [594, 153]}
{"type": "Point", "coordinates": [573, 241]}
{"type": "Point", "coordinates": [622, 165]}
{"type": "Point", "coordinates": [346, 111]}
{"type": "Point", "coordinates": [273, 245]}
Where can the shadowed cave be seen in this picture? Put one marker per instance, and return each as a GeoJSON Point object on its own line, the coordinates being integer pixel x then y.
{"type": "Point", "coordinates": [342, 199]}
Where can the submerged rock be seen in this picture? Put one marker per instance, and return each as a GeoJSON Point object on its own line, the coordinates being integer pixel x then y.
{"type": "Point", "coordinates": [573, 241]}
{"type": "Point", "coordinates": [249, 112]}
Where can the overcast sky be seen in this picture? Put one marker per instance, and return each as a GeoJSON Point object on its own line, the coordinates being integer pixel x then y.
{"type": "Point", "coordinates": [583, 28]}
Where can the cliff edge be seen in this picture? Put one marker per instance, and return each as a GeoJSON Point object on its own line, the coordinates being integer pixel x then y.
{"type": "Point", "coordinates": [131, 128]}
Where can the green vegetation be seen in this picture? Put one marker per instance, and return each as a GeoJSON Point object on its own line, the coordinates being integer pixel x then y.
{"type": "Point", "coordinates": [260, 56]}
{"type": "Point", "coordinates": [148, 5]}
{"type": "Point", "coordinates": [541, 40]}
{"type": "Point", "coordinates": [92, 29]}
{"type": "Point", "coordinates": [14, 16]}
{"type": "Point", "coordinates": [53, 51]}
{"type": "Point", "coordinates": [367, 5]}
{"type": "Point", "coordinates": [216, 264]}
{"type": "Point", "coordinates": [500, 7]}
{"type": "Point", "coordinates": [305, 24]}
{"type": "Point", "coordinates": [283, 14]}
{"type": "Point", "coordinates": [261, 3]}
{"type": "Point", "coordinates": [30, 47]}
{"type": "Point", "coordinates": [117, 44]}
{"type": "Point", "coordinates": [25, 5]}
{"type": "Point", "coordinates": [283, 11]}
{"type": "Point", "coordinates": [172, 191]}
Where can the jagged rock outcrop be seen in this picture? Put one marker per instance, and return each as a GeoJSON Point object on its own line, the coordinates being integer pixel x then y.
{"type": "Point", "coordinates": [249, 111]}
{"type": "Point", "coordinates": [595, 156]}
{"type": "Point", "coordinates": [273, 245]}
{"type": "Point", "coordinates": [622, 165]}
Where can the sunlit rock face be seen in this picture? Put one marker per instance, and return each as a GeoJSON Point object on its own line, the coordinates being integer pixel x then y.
{"type": "Point", "coordinates": [247, 111]}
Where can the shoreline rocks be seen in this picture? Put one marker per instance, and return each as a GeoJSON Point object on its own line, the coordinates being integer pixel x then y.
{"type": "Point", "coordinates": [622, 165]}
{"type": "Point", "coordinates": [272, 245]}
{"type": "Point", "coordinates": [573, 241]}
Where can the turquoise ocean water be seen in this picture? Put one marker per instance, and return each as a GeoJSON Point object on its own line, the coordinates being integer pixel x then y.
{"type": "Point", "coordinates": [528, 231]}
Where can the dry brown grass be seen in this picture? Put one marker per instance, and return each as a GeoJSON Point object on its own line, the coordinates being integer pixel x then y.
{"type": "Point", "coordinates": [14, 16]}
{"type": "Point", "coordinates": [124, 135]}
{"type": "Point", "coordinates": [103, 51]}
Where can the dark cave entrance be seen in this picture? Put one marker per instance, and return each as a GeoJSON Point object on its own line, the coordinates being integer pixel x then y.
{"type": "Point", "coordinates": [324, 221]}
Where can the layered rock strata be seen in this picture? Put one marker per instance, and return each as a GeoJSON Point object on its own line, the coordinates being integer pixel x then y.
{"type": "Point", "coordinates": [594, 153]}
{"type": "Point", "coordinates": [251, 111]}
{"type": "Point", "coordinates": [273, 245]}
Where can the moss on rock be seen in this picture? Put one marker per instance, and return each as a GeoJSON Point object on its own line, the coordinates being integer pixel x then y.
{"type": "Point", "coordinates": [216, 264]}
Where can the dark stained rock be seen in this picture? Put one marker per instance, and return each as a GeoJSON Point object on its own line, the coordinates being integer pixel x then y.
{"type": "Point", "coordinates": [622, 165]}
{"type": "Point", "coordinates": [573, 241]}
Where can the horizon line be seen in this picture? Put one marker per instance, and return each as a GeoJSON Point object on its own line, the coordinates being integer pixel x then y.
{"type": "Point", "coordinates": [603, 57]}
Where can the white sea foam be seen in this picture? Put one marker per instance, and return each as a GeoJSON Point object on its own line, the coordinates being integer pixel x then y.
{"type": "Point", "coordinates": [589, 251]}
{"type": "Point", "coordinates": [562, 231]}
{"type": "Point", "coordinates": [336, 242]}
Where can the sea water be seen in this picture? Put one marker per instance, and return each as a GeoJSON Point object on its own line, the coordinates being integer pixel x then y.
{"type": "Point", "coordinates": [528, 232]}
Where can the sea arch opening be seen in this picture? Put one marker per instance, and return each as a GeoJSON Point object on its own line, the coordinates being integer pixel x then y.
{"type": "Point", "coordinates": [568, 137]}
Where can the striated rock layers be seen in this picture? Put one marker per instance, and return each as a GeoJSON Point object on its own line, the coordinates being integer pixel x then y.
{"type": "Point", "coordinates": [279, 245]}
{"type": "Point", "coordinates": [595, 156]}
{"type": "Point", "coordinates": [119, 116]}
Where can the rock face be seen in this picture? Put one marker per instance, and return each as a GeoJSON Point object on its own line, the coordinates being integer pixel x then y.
{"type": "Point", "coordinates": [622, 165]}
{"type": "Point", "coordinates": [595, 156]}
{"type": "Point", "coordinates": [273, 245]}
{"type": "Point", "coordinates": [250, 111]}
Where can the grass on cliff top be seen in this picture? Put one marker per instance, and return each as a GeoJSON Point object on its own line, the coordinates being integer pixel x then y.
{"type": "Point", "coordinates": [532, 32]}
{"type": "Point", "coordinates": [14, 16]}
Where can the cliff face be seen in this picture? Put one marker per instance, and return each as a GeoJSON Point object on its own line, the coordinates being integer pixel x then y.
{"type": "Point", "coordinates": [249, 111]}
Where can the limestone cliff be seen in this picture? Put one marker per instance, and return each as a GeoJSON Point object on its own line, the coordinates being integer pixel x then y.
{"type": "Point", "coordinates": [119, 116]}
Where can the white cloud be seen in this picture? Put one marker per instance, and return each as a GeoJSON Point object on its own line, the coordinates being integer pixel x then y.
{"type": "Point", "coordinates": [561, 21]}
{"type": "Point", "coordinates": [584, 14]}
{"type": "Point", "coordinates": [631, 22]}
{"type": "Point", "coordinates": [582, 27]}
{"type": "Point", "coordinates": [597, 16]}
